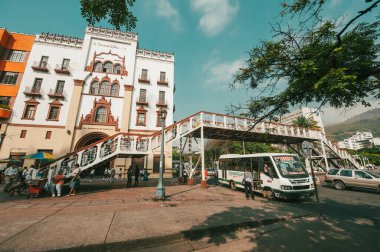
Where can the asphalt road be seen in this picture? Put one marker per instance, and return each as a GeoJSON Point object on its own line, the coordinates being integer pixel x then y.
{"type": "Point", "coordinates": [351, 222]}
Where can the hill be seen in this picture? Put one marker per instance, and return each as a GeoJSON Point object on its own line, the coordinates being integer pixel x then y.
{"type": "Point", "coordinates": [368, 121]}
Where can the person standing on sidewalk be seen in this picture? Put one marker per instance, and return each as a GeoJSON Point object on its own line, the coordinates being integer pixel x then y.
{"type": "Point", "coordinates": [119, 174]}
{"type": "Point", "coordinates": [74, 183]}
{"type": "Point", "coordinates": [92, 174]}
{"type": "Point", "coordinates": [112, 174]}
{"type": "Point", "coordinates": [58, 180]}
{"type": "Point", "coordinates": [129, 177]}
{"type": "Point", "coordinates": [248, 181]}
{"type": "Point", "coordinates": [137, 174]}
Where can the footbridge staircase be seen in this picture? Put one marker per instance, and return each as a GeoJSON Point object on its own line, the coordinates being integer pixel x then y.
{"type": "Point", "coordinates": [203, 125]}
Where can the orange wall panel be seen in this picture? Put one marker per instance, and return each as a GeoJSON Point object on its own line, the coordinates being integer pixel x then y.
{"type": "Point", "coordinates": [13, 66]}
{"type": "Point", "coordinates": [8, 90]}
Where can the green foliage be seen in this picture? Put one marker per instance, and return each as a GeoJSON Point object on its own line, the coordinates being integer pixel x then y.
{"type": "Point", "coordinates": [307, 123]}
{"type": "Point", "coordinates": [117, 12]}
{"type": "Point", "coordinates": [319, 61]}
{"type": "Point", "coordinates": [373, 154]}
{"type": "Point", "coordinates": [4, 106]}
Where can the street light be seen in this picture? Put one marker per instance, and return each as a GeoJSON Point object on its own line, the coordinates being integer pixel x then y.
{"type": "Point", "coordinates": [160, 191]}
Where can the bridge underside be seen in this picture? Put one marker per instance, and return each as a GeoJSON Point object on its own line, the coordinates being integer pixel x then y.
{"type": "Point", "coordinates": [231, 134]}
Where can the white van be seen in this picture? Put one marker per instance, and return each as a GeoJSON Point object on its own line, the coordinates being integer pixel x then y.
{"type": "Point", "coordinates": [285, 177]}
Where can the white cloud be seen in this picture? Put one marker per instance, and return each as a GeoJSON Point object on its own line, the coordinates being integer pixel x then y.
{"type": "Point", "coordinates": [219, 74]}
{"type": "Point", "coordinates": [216, 14]}
{"type": "Point", "coordinates": [163, 8]}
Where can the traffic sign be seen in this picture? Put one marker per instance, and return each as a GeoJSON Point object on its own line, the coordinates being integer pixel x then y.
{"type": "Point", "coordinates": [307, 148]}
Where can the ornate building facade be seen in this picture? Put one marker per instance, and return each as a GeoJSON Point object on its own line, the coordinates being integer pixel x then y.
{"type": "Point", "coordinates": [78, 91]}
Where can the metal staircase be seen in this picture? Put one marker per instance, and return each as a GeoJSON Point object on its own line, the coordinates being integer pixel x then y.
{"type": "Point", "coordinates": [209, 125]}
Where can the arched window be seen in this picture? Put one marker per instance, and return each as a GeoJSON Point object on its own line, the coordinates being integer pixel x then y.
{"type": "Point", "coordinates": [107, 67]}
{"type": "Point", "coordinates": [98, 67]}
{"type": "Point", "coordinates": [101, 114]}
{"type": "Point", "coordinates": [94, 89]}
{"type": "Point", "coordinates": [105, 88]}
{"type": "Point", "coordinates": [117, 69]}
{"type": "Point", "coordinates": [115, 89]}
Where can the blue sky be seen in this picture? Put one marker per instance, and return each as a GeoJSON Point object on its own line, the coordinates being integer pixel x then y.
{"type": "Point", "coordinates": [210, 39]}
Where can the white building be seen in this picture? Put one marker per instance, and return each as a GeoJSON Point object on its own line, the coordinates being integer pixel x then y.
{"type": "Point", "coordinates": [306, 112]}
{"type": "Point", "coordinates": [77, 91]}
{"type": "Point", "coordinates": [358, 141]}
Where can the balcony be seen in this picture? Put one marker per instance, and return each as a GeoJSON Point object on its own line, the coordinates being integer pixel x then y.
{"type": "Point", "coordinates": [40, 67]}
{"type": "Point", "coordinates": [162, 104]}
{"type": "Point", "coordinates": [142, 102]}
{"type": "Point", "coordinates": [163, 82]}
{"type": "Point", "coordinates": [56, 94]}
{"type": "Point", "coordinates": [144, 79]}
{"type": "Point", "coordinates": [5, 112]}
{"type": "Point", "coordinates": [62, 69]}
{"type": "Point", "coordinates": [34, 92]}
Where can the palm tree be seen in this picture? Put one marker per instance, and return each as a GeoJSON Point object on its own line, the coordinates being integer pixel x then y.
{"type": "Point", "coordinates": [304, 122]}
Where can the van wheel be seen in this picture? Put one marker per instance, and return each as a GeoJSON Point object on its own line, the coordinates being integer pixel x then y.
{"type": "Point", "coordinates": [339, 185]}
{"type": "Point", "coordinates": [232, 185]}
{"type": "Point", "coordinates": [269, 194]}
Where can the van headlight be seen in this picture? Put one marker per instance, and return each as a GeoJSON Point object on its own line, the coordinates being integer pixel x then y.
{"type": "Point", "coordinates": [312, 185]}
{"type": "Point", "coordinates": [285, 187]}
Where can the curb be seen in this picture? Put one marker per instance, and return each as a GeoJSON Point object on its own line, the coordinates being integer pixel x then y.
{"type": "Point", "coordinates": [196, 234]}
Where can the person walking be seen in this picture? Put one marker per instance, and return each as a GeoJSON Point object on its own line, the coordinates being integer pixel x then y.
{"type": "Point", "coordinates": [119, 174]}
{"type": "Point", "coordinates": [137, 174]}
{"type": "Point", "coordinates": [10, 176]}
{"type": "Point", "coordinates": [105, 174]}
{"type": "Point", "coordinates": [92, 174]}
{"type": "Point", "coordinates": [129, 177]}
{"type": "Point", "coordinates": [75, 181]}
{"type": "Point", "coordinates": [58, 180]}
{"type": "Point", "coordinates": [248, 181]}
{"type": "Point", "coordinates": [112, 174]}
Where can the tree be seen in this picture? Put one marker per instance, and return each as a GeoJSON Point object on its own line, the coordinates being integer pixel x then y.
{"type": "Point", "coordinates": [308, 123]}
{"type": "Point", "coordinates": [320, 61]}
{"type": "Point", "coordinates": [117, 12]}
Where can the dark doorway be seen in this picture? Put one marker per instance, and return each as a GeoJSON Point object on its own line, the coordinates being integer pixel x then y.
{"type": "Point", "coordinates": [156, 164]}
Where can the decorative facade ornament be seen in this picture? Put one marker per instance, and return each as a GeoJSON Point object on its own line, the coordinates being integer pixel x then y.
{"type": "Point", "coordinates": [100, 114]}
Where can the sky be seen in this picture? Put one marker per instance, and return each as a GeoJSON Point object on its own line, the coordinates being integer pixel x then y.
{"type": "Point", "coordinates": [210, 40]}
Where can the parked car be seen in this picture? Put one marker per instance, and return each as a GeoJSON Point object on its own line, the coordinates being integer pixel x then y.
{"type": "Point", "coordinates": [211, 172]}
{"type": "Point", "coordinates": [345, 178]}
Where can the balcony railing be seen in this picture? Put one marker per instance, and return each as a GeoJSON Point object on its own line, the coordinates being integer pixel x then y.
{"type": "Point", "coordinates": [30, 91]}
{"type": "Point", "coordinates": [56, 94]}
{"type": "Point", "coordinates": [5, 113]}
{"type": "Point", "coordinates": [162, 103]}
{"type": "Point", "coordinates": [142, 102]}
{"type": "Point", "coordinates": [40, 66]}
{"type": "Point", "coordinates": [62, 69]}
{"type": "Point", "coordinates": [163, 82]}
{"type": "Point", "coordinates": [144, 78]}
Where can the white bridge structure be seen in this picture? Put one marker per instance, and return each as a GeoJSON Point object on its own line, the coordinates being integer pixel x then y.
{"type": "Point", "coordinates": [205, 125]}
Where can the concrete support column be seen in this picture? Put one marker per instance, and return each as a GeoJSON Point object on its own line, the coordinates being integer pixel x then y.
{"type": "Point", "coordinates": [127, 103]}
{"type": "Point", "coordinates": [203, 181]}
{"type": "Point", "coordinates": [324, 155]}
{"type": "Point", "coordinates": [68, 142]}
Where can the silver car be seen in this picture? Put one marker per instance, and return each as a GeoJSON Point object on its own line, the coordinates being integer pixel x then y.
{"type": "Point", "coordinates": [343, 178]}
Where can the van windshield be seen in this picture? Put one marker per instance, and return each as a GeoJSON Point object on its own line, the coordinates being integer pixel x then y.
{"type": "Point", "coordinates": [290, 167]}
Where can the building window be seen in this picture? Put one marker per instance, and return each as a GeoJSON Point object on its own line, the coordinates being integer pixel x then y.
{"type": "Point", "coordinates": [8, 77]}
{"type": "Point", "coordinates": [37, 86]}
{"type": "Point", "coordinates": [59, 87]}
{"type": "Point", "coordinates": [161, 97]}
{"type": "Point", "coordinates": [101, 114]}
{"type": "Point", "coordinates": [16, 55]}
{"type": "Point", "coordinates": [94, 88]}
{"type": "Point", "coordinates": [162, 77]}
{"type": "Point", "coordinates": [65, 64]}
{"type": "Point", "coordinates": [105, 88]}
{"type": "Point", "coordinates": [44, 61]}
{"type": "Point", "coordinates": [29, 112]}
{"type": "Point", "coordinates": [142, 97]}
{"type": "Point", "coordinates": [117, 69]}
{"type": "Point", "coordinates": [48, 135]}
{"type": "Point", "coordinates": [4, 101]}
{"type": "Point", "coordinates": [98, 67]}
{"type": "Point", "coordinates": [159, 120]}
{"type": "Point", "coordinates": [107, 67]}
{"type": "Point", "coordinates": [23, 134]}
{"type": "Point", "coordinates": [115, 89]}
{"type": "Point", "coordinates": [141, 119]}
{"type": "Point", "coordinates": [144, 74]}
{"type": "Point", "coordinates": [53, 113]}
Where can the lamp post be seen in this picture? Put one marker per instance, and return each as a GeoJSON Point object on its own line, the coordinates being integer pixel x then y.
{"type": "Point", "coordinates": [160, 191]}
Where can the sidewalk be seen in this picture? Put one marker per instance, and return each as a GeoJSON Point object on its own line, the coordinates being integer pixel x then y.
{"type": "Point", "coordinates": [130, 219]}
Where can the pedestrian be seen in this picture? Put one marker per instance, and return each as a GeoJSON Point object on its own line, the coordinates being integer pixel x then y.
{"type": "Point", "coordinates": [33, 172]}
{"type": "Point", "coordinates": [75, 181]}
{"type": "Point", "coordinates": [58, 181]}
{"type": "Point", "coordinates": [10, 176]}
{"type": "Point", "coordinates": [92, 174]}
{"type": "Point", "coordinates": [248, 181]}
{"type": "Point", "coordinates": [119, 174]}
{"type": "Point", "coordinates": [25, 172]}
{"type": "Point", "coordinates": [50, 185]}
{"type": "Point", "coordinates": [129, 177]}
{"type": "Point", "coordinates": [105, 174]}
{"type": "Point", "coordinates": [112, 174]}
{"type": "Point", "coordinates": [137, 174]}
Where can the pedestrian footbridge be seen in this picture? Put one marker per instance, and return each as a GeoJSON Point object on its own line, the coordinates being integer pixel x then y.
{"type": "Point", "coordinates": [205, 125]}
